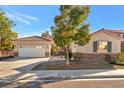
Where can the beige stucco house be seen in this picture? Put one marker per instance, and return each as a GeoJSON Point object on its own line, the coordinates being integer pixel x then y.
{"type": "Point", "coordinates": [102, 41]}
{"type": "Point", "coordinates": [34, 46]}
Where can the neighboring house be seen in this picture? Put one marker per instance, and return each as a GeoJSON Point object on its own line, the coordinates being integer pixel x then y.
{"type": "Point", "coordinates": [34, 46]}
{"type": "Point", "coordinates": [103, 41]}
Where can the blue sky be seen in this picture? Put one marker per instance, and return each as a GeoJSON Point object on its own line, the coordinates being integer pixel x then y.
{"type": "Point", "coordinates": [33, 20]}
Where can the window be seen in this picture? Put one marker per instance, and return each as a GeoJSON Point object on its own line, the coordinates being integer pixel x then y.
{"type": "Point", "coordinates": [123, 36]}
{"type": "Point", "coordinates": [102, 46]}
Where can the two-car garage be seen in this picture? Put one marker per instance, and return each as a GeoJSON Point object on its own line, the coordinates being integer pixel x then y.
{"type": "Point", "coordinates": [31, 52]}
{"type": "Point", "coordinates": [35, 46]}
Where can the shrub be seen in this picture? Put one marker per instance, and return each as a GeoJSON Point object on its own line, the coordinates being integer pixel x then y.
{"type": "Point", "coordinates": [112, 61]}
{"type": "Point", "coordinates": [77, 56]}
{"type": "Point", "coordinates": [111, 58]}
{"type": "Point", "coordinates": [55, 50]}
{"type": "Point", "coordinates": [118, 60]}
{"type": "Point", "coordinates": [121, 57]}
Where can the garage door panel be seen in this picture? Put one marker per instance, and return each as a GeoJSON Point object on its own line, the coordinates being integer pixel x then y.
{"type": "Point", "coordinates": [31, 52]}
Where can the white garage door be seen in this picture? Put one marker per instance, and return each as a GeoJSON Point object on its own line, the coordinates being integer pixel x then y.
{"type": "Point", "coordinates": [31, 52]}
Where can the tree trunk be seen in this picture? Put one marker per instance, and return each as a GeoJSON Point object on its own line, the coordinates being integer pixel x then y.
{"type": "Point", "coordinates": [67, 54]}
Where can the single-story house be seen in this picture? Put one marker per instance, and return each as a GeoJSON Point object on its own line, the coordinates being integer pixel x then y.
{"type": "Point", "coordinates": [103, 41]}
{"type": "Point", "coordinates": [34, 46]}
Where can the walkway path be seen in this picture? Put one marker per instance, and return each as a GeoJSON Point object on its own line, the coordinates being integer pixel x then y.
{"type": "Point", "coordinates": [71, 74]}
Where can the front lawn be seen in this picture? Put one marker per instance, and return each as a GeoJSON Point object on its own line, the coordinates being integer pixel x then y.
{"type": "Point", "coordinates": [75, 65]}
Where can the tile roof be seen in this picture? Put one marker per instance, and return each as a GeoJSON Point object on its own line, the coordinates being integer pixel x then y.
{"type": "Point", "coordinates": [112, 33]}
{"type": "Point", "coordinates": [34, 38]}
{"type": "Point", "coordinates": [48, 37]}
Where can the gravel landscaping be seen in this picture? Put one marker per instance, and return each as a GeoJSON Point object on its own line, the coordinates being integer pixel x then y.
{"type": "Point", "coordinates": [75, 65]}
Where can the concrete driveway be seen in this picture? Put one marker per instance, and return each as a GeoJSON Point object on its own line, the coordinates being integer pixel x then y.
{"type": "Point", "coordinates": [19, 65]}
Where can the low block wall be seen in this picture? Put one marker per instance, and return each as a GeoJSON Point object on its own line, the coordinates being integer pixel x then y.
{"type": "Point", "coordinates": [6, 53]}
{"type": "Point", "coordinates": [96, 56]}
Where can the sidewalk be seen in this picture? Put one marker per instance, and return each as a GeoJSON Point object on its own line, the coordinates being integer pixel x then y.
{"type": "Point", "coordinates": [63, 74]}
{"type": "Point", "coordinates": [55, 75]}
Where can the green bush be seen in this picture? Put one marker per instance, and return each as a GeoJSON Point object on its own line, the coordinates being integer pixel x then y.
{"type": "Point", "coordinates": [121, 57]}
{"type": "Point", "coordinates": [119, 60]}
{"type": "Point", "coordinates": [112, 61]}
{"type": "Point", "coordinates": [77, 56]}
{"type": "Point", "coordinates": [55, 50]}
